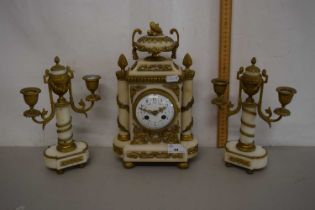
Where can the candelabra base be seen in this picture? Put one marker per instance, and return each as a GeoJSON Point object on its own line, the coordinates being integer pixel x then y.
{"type": "Point", "coordinates": [61, 160]}
{"type": "Point", "coordinates": [251, 161]}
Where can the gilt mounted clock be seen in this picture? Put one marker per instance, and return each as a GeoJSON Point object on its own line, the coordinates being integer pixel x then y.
{"type": "Point", "coordinates": [154, 102]}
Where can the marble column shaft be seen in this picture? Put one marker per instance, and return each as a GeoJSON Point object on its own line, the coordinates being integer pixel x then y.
{"type": "Point", "coordinates": [186, 99]}
{"type": "Point", "coordinates": [247, 131]}
{"type": "Point", "coordinates": [123, 114]}
{"type": "Point", "coordinates": [63, 123]}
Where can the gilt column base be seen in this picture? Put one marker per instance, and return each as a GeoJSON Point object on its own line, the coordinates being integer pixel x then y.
{"type": "Point", "coordinates": [251, 161]}
{"type": "Point", "coordinates": [61, 160]}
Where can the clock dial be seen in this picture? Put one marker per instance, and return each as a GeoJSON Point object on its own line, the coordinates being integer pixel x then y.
{"type": "Point", "coordinates": [155, 111]}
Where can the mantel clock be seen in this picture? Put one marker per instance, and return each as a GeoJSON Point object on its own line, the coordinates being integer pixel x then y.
{"type": "Point", "coordinates": [154, 101]}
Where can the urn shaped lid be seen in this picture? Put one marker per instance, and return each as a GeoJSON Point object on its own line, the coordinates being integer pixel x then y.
{"type": "Point", "coordinates": [155, 42]}
{"type": "Point", "coordinates": [57, 66]}
{"type": "Point", "coordinates": [252, 68]}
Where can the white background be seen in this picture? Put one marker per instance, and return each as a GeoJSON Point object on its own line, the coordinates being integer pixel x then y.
{"type": "Point", "coordinates": [90, 35]}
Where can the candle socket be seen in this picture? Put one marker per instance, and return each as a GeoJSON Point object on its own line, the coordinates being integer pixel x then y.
{"type": "Point", "coordinates": [219, 86]}
{"type": "Point", "coordinates": [285, 95]}
{"type": "Point", "coordinates": [30, 95]}
{"type": "Point", "coordinates": [92, 82]}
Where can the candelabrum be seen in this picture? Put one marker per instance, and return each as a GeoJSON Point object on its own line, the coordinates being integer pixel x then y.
{"type": "Point", "coordinates": [244, 153]}
{"type": "Point", "coordinates": [67, 152]}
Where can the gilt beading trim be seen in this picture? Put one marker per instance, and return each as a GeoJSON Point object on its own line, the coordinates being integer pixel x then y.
{"type": "Point", "coordinates": [158, 155]}
{"type": "Point", "coordinates": [150, 79]}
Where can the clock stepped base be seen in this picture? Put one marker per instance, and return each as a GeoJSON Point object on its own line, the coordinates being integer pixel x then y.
{"type": "Point", "coordinates": [59, 161]}
{"type": "Point", "coordinates": [250, 161]}
{"type": "Point", "coordinates": [154, 153]}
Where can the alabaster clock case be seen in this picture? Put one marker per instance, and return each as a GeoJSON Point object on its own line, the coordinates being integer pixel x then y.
{"type": "Point", "coordinates": [154, 101]}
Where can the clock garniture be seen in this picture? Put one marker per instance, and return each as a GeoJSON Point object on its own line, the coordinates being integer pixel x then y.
{"type": "Point", "coordinates": [67, 153]}
{"type": "Point", "coordinates": [244, 153]}
{"type": "Point", "coordinates": [154, 101]}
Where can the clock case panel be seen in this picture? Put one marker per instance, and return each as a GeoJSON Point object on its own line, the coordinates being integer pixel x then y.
{"type": "Point", "coordinates": [170, 100]}
{"type": "Point", "coordinates": [172, 90]}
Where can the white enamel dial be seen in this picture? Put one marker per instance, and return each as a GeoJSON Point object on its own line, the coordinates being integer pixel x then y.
{"type": "Point", "coordinates": [154, 111]}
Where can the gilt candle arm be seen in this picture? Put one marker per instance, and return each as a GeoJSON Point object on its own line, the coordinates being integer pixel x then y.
{"type": "Point", "coordinates": [239, 103]}
{"type": "Point", "coordinates": [239, 99]}
{"type": "Point", "coordinates": [46, 120]}
{"type": "Point", "coordinates": [31, 97]}
{"type": "Point", "coordinates": [92, 82]}
{"type": "Point", "coordinates": [220, 87]}
{"type": "Point", "coordinates": [82, 109]}
{"type": "Point", "coordinates": [265, 117]}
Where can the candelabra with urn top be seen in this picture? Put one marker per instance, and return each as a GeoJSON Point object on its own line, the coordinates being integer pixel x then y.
{"type": "Point", "coordinates": [67, 153]}
{"type": "Point", "coordinates": [244, 152]}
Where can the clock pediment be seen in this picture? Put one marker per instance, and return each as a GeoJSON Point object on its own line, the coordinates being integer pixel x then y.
{"type": "Point", "coordinates": [154, 72]}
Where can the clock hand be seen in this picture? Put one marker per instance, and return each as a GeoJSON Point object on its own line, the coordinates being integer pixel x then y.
{"type": "Point", "coordinates": [145, 110]}
{"type": "Point", "coordinates": [153, 112]}
{"type": "Point", "coordinates": [148, 111]}
{"type": "Point", "coordinates": [161, 109]}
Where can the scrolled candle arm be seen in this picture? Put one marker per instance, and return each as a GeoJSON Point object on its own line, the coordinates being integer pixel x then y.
{"type": "Point", "coordinates": [45, 120]}
{"type": "Point", "coordinates": [82, 109]}
{"type": "Point", "coordinates": [268, 116]}
{"type": "Point", "coordinates": [232, 111]}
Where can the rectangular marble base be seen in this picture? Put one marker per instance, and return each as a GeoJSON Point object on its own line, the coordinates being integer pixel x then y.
{"type": "Point", "coordinates": [59, 160]}
{"type": "Point", "coordinates": [254, 160]}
